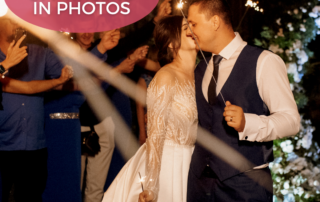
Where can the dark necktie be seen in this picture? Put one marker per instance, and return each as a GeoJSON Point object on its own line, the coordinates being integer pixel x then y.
{"type": "Point", "coordinates": [212, 95]}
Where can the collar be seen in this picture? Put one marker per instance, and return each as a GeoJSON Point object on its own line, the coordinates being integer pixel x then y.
{"type": "Point", "coordinates": [228, 51]}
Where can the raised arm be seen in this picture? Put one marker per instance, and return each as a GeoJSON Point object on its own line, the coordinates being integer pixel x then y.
{"type": "Point", "coordinates": [14, 54]}
{"type": "Point", "coordinates": [135, 39]}
{"type": "Point", "coordinates": [32, 87]}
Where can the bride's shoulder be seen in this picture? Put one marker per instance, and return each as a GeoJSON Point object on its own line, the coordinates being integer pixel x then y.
{"type": "Point", "coordinates": [165, 76]}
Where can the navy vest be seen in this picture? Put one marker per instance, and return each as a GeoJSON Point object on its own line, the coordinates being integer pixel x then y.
{"type": "Point", "coordinates": [240, 89]}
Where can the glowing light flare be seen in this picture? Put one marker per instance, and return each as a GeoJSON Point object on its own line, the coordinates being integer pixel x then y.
{"type": "Point", "coordinates": [66, 33]}
{"type": "Point", "coordinates": [249, 3]}
{"type": "Point", "coordinates": [142, 179]}
{"type": "Point", "coordinates": [254, 5]}
{"type": "Point", "coordinates": [3, 8]}
{"type": "Point", "coordinates": [180, 4]}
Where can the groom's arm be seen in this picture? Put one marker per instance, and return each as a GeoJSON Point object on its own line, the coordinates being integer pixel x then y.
{"type": "Point", "coordinates": [275, 91]}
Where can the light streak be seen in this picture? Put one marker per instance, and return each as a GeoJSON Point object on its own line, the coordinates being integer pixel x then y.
{"type": "Point", "coordinates": [3, 8]}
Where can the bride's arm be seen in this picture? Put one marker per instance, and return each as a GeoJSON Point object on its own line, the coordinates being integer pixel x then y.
{"type": "Point", "coordinates": [159, 99]}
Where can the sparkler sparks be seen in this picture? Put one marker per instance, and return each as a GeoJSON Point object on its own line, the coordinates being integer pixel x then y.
{"type": "Point", "coordinates": [180, 5]}
{"type": "Point", "coordinates": [254, 5]}
{"type": "Point", "coordinates": [142, 179]}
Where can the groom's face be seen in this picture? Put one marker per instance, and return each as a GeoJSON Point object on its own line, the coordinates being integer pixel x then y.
{"type": "Point", "coordinates": [201, 26]}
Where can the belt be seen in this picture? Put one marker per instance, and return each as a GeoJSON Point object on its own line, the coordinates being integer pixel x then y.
{"type": "Point", "coordinates": [64, 116]}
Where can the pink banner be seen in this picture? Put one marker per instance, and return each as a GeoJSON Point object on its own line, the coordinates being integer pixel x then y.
{"type": "Point", "coordinates": [81, 15]}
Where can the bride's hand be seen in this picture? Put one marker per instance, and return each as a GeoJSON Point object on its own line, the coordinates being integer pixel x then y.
{"type": "Point", "coordinates": [146, 196]}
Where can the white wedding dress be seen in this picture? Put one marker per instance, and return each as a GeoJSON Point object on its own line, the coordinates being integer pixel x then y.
{"type": "Point", "coordinates": [164, 160]}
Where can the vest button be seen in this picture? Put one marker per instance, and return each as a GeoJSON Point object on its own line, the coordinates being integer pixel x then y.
{"type": "Point", "coordinates": [246, 137]}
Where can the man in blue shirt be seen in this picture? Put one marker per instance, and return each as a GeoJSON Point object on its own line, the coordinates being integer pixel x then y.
{"type": "Point", "coordinates": [23, 154]}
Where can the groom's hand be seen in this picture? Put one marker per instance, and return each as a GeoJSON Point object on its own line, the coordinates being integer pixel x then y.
{"type": "Point", "coordinates": [234, 117]}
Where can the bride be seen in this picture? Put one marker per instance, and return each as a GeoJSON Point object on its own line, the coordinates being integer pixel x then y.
{"type": "Point", "coordinates": [163, 161]}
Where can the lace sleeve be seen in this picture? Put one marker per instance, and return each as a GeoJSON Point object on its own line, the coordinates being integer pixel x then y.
{"type": "Point", "coordinates": [159, 96]}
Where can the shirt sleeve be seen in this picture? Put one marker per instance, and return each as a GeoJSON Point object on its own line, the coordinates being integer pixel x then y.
{"type": "Point", "coordinates": [97, 53]}
{"type": "Point", "coordinates": [53, 65]}
{"type": "Point", "coordinates": [275, 91]}
{"type": "Point", "coordinates": [159, 99]}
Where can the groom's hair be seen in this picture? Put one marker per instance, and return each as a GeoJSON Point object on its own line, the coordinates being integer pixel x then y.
{"type": "Point", "coordinates": [214, 7]}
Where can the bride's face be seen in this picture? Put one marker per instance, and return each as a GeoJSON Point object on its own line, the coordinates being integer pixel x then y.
{"type": "Point", "coordinates": [187, 43]}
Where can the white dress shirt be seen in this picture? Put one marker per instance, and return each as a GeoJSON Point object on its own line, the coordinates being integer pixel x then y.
{"type": "Point", "coordinates": [274, 89]}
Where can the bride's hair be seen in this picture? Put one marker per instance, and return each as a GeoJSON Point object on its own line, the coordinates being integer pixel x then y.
{"type": "Point", "coordinates": [167, 31]}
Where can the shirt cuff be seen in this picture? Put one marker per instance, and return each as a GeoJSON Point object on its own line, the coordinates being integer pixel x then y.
{"type": "Point", "coordinates": [97, 53]}
{"type": "Point", "coordinates": [251, 128]}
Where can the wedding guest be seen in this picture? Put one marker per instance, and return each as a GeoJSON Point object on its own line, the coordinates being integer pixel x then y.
{"type": "Point", "coordinates": [23, 153]}
{"type": "Point", "coordinates": [97, 166]}
{"type": "Point", "coordinates": [140, 36]}
{"type": "Point", "coordinates": [10, 85]}
{"type": "Point", "coordinates": [62, 127]}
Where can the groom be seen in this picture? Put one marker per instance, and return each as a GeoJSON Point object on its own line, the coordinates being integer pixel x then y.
{"type": "Point", "coordinates": [259, 108]}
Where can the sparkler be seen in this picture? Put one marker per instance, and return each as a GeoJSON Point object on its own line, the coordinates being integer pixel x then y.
{"type": "Point", "coordinates": [180, 6]}
{"type": "Point", "coordinates": [250, 4]}
{"type": "Point", "coordinates": [141, 181]}
{"type": "Point", "coordinates": [254, 5]}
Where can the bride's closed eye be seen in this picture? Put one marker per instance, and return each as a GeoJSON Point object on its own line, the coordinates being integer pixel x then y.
{"type": "Point", "coordinates": [185, 27]}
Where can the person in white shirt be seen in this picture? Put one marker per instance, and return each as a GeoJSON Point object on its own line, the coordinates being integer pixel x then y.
{"type": "Point", "coordinates": [244, 99]}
